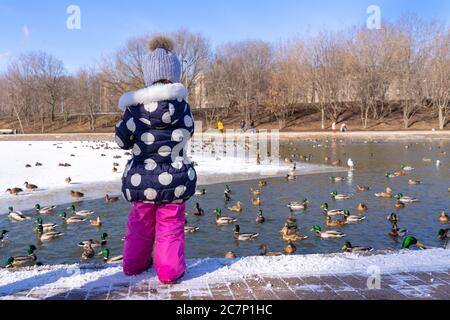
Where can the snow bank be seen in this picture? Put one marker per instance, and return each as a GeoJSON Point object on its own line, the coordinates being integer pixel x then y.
{"type": "Point", "coordinates": [202, 273]}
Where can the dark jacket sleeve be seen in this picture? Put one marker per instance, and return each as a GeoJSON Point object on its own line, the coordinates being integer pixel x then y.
{"type": "Point", "coordinates": [124, 135]}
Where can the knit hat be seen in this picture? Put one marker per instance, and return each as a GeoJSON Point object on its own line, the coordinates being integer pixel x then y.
{"type": "Point", "coordinates": [161, 63]}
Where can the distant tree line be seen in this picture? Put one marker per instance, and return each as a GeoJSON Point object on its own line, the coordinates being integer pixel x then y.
{"type": "Point", "coordinates": [405, 64]}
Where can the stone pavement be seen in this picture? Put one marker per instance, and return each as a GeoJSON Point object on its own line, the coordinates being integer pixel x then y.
{"type": "Point", "coordinates": [402, 286]}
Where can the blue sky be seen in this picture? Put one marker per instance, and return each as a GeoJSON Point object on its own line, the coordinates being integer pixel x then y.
{"type": "Point", "coordinates": [106, 25]}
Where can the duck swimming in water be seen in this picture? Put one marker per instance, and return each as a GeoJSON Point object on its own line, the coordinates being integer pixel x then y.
{"type": "Point", "coordinates": [392, 218]}
{"type": "Point", "coordinates": [198, 210]}
{"type": "Point", "coordinates": [337, 196]}
{"type": "Point", "coordinates": [23, 261]}
{"type": "Point", "coordinates": [266, 253]}
{"type": "Point", "coordinates": [243, 236]}
{"type": "Point", "coordinates": [290, 248]}
{"type": "Point", "coordinates": [17, 215]}
{"type": "Point", "coordinates": [405, 199]}
{"type": "Point", "coordinates": [444, 218]}
{"type": "Point", "coordinates": [327, 234]}
{"type": "Point", "coordinates": [410, 241]}
{"type": "Point", "coordinates": [297, 206]}
{"type": "Point", "coordinates": [331, 213]}
{"type": "Point", "coordinates": [444, 234]}
{"type": "Point", "coordinates": [396, 232]}
{"type": "Point", "coordinates": [45, 210]}
{"type": "Point", "coordinates": [222, 220]}
{"type": "Point", "coordinates": [260, 218]}
{"type": "Point", "coordinates": [355, 249]}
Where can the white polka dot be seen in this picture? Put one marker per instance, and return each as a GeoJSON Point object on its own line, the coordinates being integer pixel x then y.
{"type": "Point", "coordinates": [145, 121]}
{"type": "Point", "coordinates": [179, 191]}
{"type": "Point", "coordinates": [136, 180]}
{"type": "Point", "coordinates": [128, 194]}
{"type": "Point", "coordinates": [191, 174]}
{"type": "Point", "coordinates": [165, 178]}
{"type": "Point", "coordinates": [166, 118]}
{"type": "Point", "coordinates": [119, 123]}
{"type": "Point", "coordinates": [177, 165]}
{"type": "Point", "coordinates": [148, 138]}
{"type": "Point", "coordinates": [150, 164]}
{"type": "Point", "coordinates": [164, 151]}
{"type": "Point", "coordinates": [136, 150]}
{"type": "Point", "coordinates": [150, 194]}
{"type": "Point", "coordinates": [179, 134]}
{"type": "Point", "coordinates": [119, 142]}
{"type": "Point", "coordinates": [151, 107]}
{"type": "Point", "coordinates": [188, 121]}
{"type": "Point", "coordinates": [131, 125]}
{"type": "Point", "coordinates": [171, 109]}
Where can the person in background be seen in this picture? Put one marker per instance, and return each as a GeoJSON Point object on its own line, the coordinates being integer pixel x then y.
{"type": "Point", "coordinates": [242, 125]}
{"type": "Point", "coordinates": [220, 126]}
{"type": "Point", "coordinates": [252, 126]}
{"type": "Point", "coordinates": [333, 127]}
{"type": "Point", "coordinates": [344, 127]}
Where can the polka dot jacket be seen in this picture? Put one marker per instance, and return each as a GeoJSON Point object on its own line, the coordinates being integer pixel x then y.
{"type": "Point", "coordinates": [157, 124]}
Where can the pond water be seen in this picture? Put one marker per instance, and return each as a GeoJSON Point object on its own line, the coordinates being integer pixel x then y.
{"type": "Point", "coordinates": [373, 160]}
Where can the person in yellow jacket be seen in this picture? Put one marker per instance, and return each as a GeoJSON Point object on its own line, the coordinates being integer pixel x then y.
{"type": "Point", "coordinates": [220, 126]}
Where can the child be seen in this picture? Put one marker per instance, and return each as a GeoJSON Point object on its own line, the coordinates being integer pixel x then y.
{"type": "Point", "coordinates": [159, 179]}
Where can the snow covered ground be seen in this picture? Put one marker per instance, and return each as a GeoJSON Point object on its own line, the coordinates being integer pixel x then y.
{"type": "Point", "coordinates": [91, 172]}
{"type": "Point", "coordinates": [53, 280]}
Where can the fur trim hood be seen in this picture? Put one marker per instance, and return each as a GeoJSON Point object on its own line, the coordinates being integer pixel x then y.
{"type": "Point", "coordinates": [156, 93]}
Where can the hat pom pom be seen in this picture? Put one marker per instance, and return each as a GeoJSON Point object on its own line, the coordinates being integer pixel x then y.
{"type": "Point", "coordinates": [161, 42]}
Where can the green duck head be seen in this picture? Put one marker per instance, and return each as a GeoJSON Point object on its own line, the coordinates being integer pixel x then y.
{"type": "Point", "coordinates": [260, 213]}
{"type": "Point", "coordinates": [305, 201]}
{"type": "Point", "coordinates": [39, 220]}
{"type": "Point", "coordinates": [31, 249]}
{"type": "Point", "coordinates": [72, 208]}
{"type": "Point", "coordinates": [324, 206]}
{"type": "Point", "coordinates": [334, 193]}
{"type": "Point", "coordinates": [409, 241]}
{"type": "Point", "coordinates": [40, 229]}
{"type": "Point", "coordinates": [346, 213]}
{"type": "Point", "coordinates": [37, 207]}
{"type": "Point", "coordinates": [331, 178]}
{"type": "Point", "coordinates": [237, 228]}
{"type": "Point", "coordinates": [403, 166]}
{"type": "Point", "coordinates": [347, 246]}
{"type": "Point", "coordinates": [4, 232]}
{"type": "Point", "coordinates": [316, 228]}
{"type": "Point", "coordinates": [9, 261]}
{"type": "Point", "coordinates": [399, 196]}
{"type": "Point", "coordinates": [104, 236]}
{"type": "Point", "coordinates": [395, 226]}
{"type": "Point", "coordinates": [218, 211]}
{"type": "Point", "coordinates": [442, 234]}
{"type": "Point", "coordinates": [11, 209]}
{"type": "Point", "coordinates": [63, 215]}
{"type": "Point", "coordinates": [393, 217]}
{"type": "Point", "coordinates": [105, 253]}
{"type": "Point", "coordinates": [388, 174]}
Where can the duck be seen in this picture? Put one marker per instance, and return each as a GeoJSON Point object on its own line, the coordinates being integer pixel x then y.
{"type": "Point", "coordinates": [201, 192]}
{"type": "Point", "coordinates": [396, 232]}
{"type": "Point", "coordinates": [327, 234]}
{"type": "Point", "coordinates": [405, 199]}
{"type": "Point", "coordinates": [222, 220]}
{"type": "Point", "coordinates": [337, 196]}
{"type": "Point", "coordinates": [45, 210]}
{"type": "Point", "coordinates": [404, 167]}
{"type": "Point", "coordinates": [106, 256]}
{"type": "Point", "coordinates": [290, 177]}
{"type": "Point", "coordinates": [386, 194]}
{"type": "Point", "coordinates": [336, 179]}
{"type": "Point", "coordinates": [3, 235]}
{"type": "Point", "coordinates": [260, 218]}
{"type": "Point", "coordinates": [109, 199]}
{"type": "Point", "coordinates": [97, 243]}
{"type": "Point", "coordinates": [355, 249]}
{"type": "Point", "coordinates": [392, 218]}
{"type": "Point", "coordinates": [351, 164]}
{"type": "Point", "coordinates": [226, 196]}
{"type": "Point", "coordinates": [71, 219]}
{"type": "Point", "coordinates": [266, 253]}
{"type": "Point", "coordinates": [198, 210]}
{"type": "Point", "coordinates": [414, 182]}
{"type": "Point", "coordinates": [47, 236]}
{"type": "Point", "coordinates": [297, 206]}
{"type": "Point", "coordinates": [444, 234]}
{"type": "Point", "coordinates": [292, 169]}
{"type": "Point", "coordinates": [17, 215]}
{"type": "Point", "coordinates": [82, 213]}
{"type": "Point", "coordinates": [243, 236]}
{"type": "Point", "coordinates": [335, 223]}
{"type": "Point", "coordinates": [236, 208]}
{"type": "Point", "coordinates": [22, 261]}
{"type": "Point", "coordinates": [390, 175]}
{"type": "Point", "coordinates": [349, 218]}
{"type": "Point", "coordinates": [96, 223]}
{"type": "Point", "coordinates": [255, 192]}
{"type": "Point", "coordinates": [230, 255]}
{"type": "Point", "coordinates": [410, 241]}
{"type": "Point", "coordinates": [290, 248]}
{"type": "Point", "coordinates": [444, 218]}
{"type": "Point", "coordinates": [68, 180]}
{"type": "Point", "coordinates": [399, 205]}
{"type": "Point", "coordinates": [14, 191]}
{"type": "Point", "coordinates": [88, 251]}
{"type": "Point", "coordinates": [362, 207]}
{"type": "Point", "coordinates": [331, 213]}
{"type": "Point", "coordinates": [227, 189]}
{"type": "Point", "coordinates": [46, 226]}
{"type": "Point", "coordinates": [76, 194]}
{"type": "Point", "coordinates": [362, 188]}
{"type": "Point", "coordinates": [256, 202]}
{"type": "Point", "coordinates": [188, 229]}
{"type": "Point", "coordinates": [30, 186]}
{"type": "Point", "coordinates": [289, 229]}
{"type": "Point", "coordinates": [262, 183]}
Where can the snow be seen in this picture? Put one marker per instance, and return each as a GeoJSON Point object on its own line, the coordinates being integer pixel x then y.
{"type": "Point", "coordinates": [92, 174]}
{"type": "Point", "coordinates": [203, 273]}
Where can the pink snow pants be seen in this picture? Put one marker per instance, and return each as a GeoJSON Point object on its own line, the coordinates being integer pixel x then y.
{"type": "Point", "coordinates": [163, 223]}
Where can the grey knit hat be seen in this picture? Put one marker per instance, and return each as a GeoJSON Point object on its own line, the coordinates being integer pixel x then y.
{"type": "Point", "coordinates": [161, 63]}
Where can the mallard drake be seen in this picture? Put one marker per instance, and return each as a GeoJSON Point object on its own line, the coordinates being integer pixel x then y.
{"type": "Point", "coordinates": [336, 179]}
{"type": "Point", "coordinates": [22, 261]}
{"type": "Point", "coordinates": [236, 208]}
{"type": "Point", "coordinates": [17, 215]}
{"type": "Point", "coordinates": [76, 194]}
{"type": "Point", "coordinates": [335, 223]}
{"type": "Point", "coordinates": [255, 192]}
{"type": "Point", "coordinates": [444, 218]}
{"type": "Point", "coordinates": [405, 199]}
{"type": "Point", "coordinates": [47, 236]}
{"type": "Point", "coordinates": [399, 205]}
{"type": "Point", "coordinates": [349, 218]}
{"type": "Point", "coordinates": [260, 218]}
{"type": "Point", "coordinates": [106, 256]}
{"type": "Point", "coordinates": [109, 199]}
{"type": "Point", "coordinates": [256, 202]}
{"type": "Point", "coordinates": [3, 235]}
{"type": "Point", "coordinates": [362, 207]}
{"type": "Point", "coordinates": [97, 243]}
{"type": "Point", "coordinates": [410, 241]}
{"type": "Point", "coordinates": [71, 219]}
{"type": "Point", "coordinates": [88, 251]}
{"type": "Point", "coordinates": [188, 229]}
{"type": "Point", "coordinates": [362, 188]}
{"type": "Point", "coordinates": [198, 210]}
{"type": "Point", "coordinates": [296, 206]}
{"type": "Point", "coordinates": [386, 194]}
{"type": "Point", "coordinates": [290, 248]}
{"type": "Point", "coordinates": [337, 196]}
{"type": "Point", "coordinates": [45, 210]}
{"type": "Point", "coordinates": [355, 249]}
{"type": "Point", "coordinates": [82, 213]}
{"type": "Point", "coordinates": [327, 234]}
{"type": "Point", "coordinates": [222, 220]}
{"type": "Point", "coordinates": [230, 255]}
{"type": "Point", "coordinates": [243, 236]}
{"type": "Point", "coordinates": [331, 213]}
{"type": "Point", "coordinates": [96, 223]}
{"type": "Point", "coordinates": [414, 182]}
{"type": "Point", "coordinates": [14, 191]}
{"type": "Point", "coordinates": [406, 168]}
{"type": "Point", "coordinates": [265, 251]}
{"type": "Point", "coordinates": [392, 218]}
{"type": "Point", "coordinates": [396, 232]}
{"type": "Point", "coordinates": [46, 226]}
{"type": "Point", "coordinates": [262, 183]}
{"type": "Point", "coordinates": [201, 192]}
{"type": "Point", "coordinates": [444, 234]}
{"type": "Point", "coordinates": [30, 186]}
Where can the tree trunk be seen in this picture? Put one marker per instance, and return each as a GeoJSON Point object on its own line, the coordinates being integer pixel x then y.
{"type": "Point", "coordinates": [323, 118]}
{"type": "Point", "coordinates": [441, 117]}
